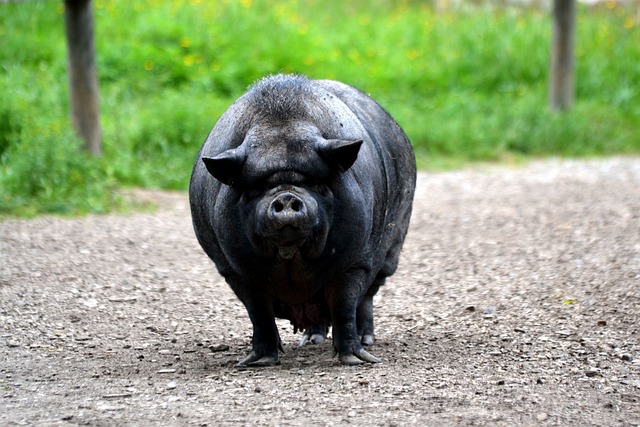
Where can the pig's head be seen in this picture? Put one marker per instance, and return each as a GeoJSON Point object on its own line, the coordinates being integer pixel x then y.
{"type": "Point", "coordinates": [283, 180]}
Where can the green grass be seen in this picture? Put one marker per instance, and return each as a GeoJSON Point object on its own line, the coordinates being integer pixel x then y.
{"type": "Point", "coordinates": [467, 85]}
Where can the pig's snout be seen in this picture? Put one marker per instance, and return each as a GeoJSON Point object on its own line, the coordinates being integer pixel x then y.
{"type": "Point", "coordinates": [288, 209]}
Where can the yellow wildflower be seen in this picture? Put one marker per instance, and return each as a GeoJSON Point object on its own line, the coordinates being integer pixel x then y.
{"type": "Point", "coordinates": [185, 42]}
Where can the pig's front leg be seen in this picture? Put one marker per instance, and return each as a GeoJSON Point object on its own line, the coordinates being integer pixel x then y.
{"type": "Point", "coordinates": [343, 301]}
{"type": "Point", "coordinates": [266, 340]}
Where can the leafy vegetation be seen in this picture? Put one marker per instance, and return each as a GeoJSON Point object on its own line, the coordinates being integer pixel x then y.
{"type": "Point", "coordinates": [467, 84]}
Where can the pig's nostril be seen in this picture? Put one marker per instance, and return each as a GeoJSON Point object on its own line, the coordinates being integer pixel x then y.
{"type": "Point", "coordinates": [296, 205]}
{"type": "Point", "coordinates": [278, 206]}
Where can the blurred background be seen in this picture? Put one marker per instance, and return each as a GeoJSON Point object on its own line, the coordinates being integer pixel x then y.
{"type": "Point", "coordinates": [467, 80]}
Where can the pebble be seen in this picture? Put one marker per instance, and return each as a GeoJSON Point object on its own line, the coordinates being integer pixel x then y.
{"type": "Point", "coordinates": [542, 416]}
{"type": "Point", "coordinates": [108, 408]}
{"type": "Point", "coordinates": [123, 299]}
{"type": "Point", "coordinates": [116, 395]}
{"type": "Point", "coordinates": [13, 344]}
{"type": "Point", "coordinates": [172, 385]}
{"type": "Point", "coordinates": [489, 312]}
{"type": "Point", "coordinates": [592, 372]}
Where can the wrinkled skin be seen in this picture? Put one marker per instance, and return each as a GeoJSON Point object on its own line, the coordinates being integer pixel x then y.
{"type": "Point", "coordinates": [301, 195]}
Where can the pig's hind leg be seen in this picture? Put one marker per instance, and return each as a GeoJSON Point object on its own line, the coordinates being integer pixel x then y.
{"type": "Point", "coordinates": [315, 334]}
{"type": "Point", "coordinates": [364, 313]}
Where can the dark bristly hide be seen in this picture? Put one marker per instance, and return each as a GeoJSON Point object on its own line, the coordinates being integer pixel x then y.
{"type": "Point", "coordinates": [302, 195]}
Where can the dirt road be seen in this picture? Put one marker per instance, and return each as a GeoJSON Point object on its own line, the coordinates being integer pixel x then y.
{"type": "Point", "coordinates": [517, 303]}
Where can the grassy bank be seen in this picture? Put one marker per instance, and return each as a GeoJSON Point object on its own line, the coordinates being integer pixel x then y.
{"type": "Point", "coordinates": [467, 85]}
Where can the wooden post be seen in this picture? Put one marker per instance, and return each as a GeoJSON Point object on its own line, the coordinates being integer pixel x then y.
{"type": "Point", "coordinates": [83, 78]}
{"type": "Point", "coordinates": [562, 69]}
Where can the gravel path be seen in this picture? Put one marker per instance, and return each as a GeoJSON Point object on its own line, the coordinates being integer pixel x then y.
{"type": "Point", "coordinates": [517, 303]}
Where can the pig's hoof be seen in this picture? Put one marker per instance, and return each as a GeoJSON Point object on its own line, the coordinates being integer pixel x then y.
{"type": "Point", "coordinates": [358, 357]}
{"type": "Point", "coordinates": [314, 334]}
{"type": "Point", "coordinates": [257, 360]}
{"type": "Point", "coordinates": [367, 339]}
{"type": "Point", "coordinates": [314, 338]}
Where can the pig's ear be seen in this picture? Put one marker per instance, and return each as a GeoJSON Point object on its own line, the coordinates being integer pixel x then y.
{"type": "Point", "coordinates": [339, 153]}
{"type": "Point", "coordinates": [225, 166]}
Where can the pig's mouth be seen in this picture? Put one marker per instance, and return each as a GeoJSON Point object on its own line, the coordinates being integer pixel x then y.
{"type": "Point", "coordinates": [288, 240]}
{"type": "Point", "coordinates": [287, 252]}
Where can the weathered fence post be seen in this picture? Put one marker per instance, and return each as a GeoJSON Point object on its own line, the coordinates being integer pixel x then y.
{"type": "Point", "coordinates": [83, 78]}
{"type": "Point", "coordinates": [562, 69]}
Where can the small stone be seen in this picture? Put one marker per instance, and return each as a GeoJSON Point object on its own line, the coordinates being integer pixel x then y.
{"type": "Point", "coordinates": [491, 310]}
{"type": "Point", "coordinates": [592, 372]}
{"type": "Point", "coordinates": [218, 348]}
{"type": "Point", "coordinates": [123, 299]}
{"type": "Point", "coordinates": [116, 395]}
{"type": "Point", "coordinates": [602, 322]}
{"type": "Point", "coordinates": [13, 344]}
{"type": "Point", "coordinates": [164, 352]}
{"type": "Point", "coordinates": [172, 385]}
{"type": "Point", "coordinates": [109, 408]}
{"type": "Point", "coordinates": [542, 416]}
{"type": "Point", "coordinates": [166, 371]}
{"type": "Point", "coordinates": [91, 302]}
{"type": "Point", "coordinates": [470, 309]}
{"type": "Point", "coordinates": [301, 372]}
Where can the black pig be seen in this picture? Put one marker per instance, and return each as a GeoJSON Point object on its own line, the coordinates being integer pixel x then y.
{"type": "Point", "coordinates": [301, 195]}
